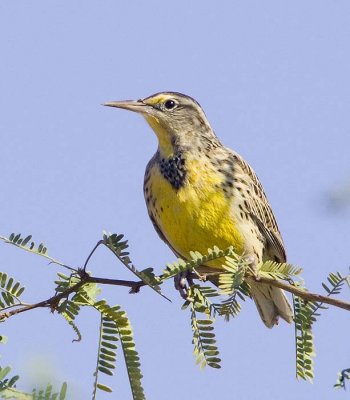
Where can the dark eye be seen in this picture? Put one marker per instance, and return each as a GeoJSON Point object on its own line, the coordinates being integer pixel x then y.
{"type": "Point", "coordinates": [169, 104]}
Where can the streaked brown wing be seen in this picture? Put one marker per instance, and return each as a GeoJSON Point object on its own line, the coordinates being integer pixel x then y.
{"type": "Point", "coordinates": [261, 212]}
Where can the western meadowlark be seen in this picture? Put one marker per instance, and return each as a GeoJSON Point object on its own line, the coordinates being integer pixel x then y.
{"type": "Point", "coordinates": [200, 194]}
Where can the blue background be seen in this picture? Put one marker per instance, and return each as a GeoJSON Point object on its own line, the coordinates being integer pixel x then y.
{"type": "Point", "coordinates": [273, 79]}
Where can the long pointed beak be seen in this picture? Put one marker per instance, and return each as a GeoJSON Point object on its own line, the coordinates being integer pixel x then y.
{"type": "Point", "coordinates": [136, 106]}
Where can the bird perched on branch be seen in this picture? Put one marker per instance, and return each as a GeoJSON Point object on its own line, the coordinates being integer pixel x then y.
{"type": "Point", "coordinates": [201, 194]}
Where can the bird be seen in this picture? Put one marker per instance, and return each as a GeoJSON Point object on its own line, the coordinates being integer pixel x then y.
{"type": "Point", "coordinates": [201, 194]}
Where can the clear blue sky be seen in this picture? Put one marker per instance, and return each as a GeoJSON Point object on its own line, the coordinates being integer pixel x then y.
{"type": "Point", "coordinates": [273, 79]}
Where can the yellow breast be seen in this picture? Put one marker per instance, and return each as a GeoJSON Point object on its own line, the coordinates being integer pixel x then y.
{"type": "Point", "coordinates": [198, 215]}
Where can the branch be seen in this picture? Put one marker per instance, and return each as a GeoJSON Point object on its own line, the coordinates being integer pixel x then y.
{"type": "Point", "coordinates": [135, 286]}
{"type": "Point", "coordinates": [53, 301]}
{"type": "Point", "coordinates": [308, 296]}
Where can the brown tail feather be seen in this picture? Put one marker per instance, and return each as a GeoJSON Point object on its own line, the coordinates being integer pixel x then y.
{"type": "Point", "coordinates": [271, 303]}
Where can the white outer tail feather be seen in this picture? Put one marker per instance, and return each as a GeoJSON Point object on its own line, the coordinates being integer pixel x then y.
{"type": "Point", "coordinates": [271, 303]}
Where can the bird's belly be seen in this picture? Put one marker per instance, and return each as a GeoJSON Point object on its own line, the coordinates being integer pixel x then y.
{"type": "Point", "coordinates": [195, 217]}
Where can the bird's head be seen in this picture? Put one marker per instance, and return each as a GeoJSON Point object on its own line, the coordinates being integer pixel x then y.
{"type": "Point", "coordinates": [178, 120]}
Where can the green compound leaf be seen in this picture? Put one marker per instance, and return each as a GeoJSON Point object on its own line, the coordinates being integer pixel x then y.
{"type": "Point", "coordinates": [118, 247]}
{"type": "Point", "coordinates": [276, 270]}
{"type": "Point", "coordinates": [48, 394]}
{"type": "Point", "coordinates": [28, 245]}
{"type": "Point", "coordinates": [8, 389]}
{"type": "Point", "coordinates": [196, 260]}
{"type": "Point", "coordinates": [205, 349]}
{"type": "Point", "coordinates": [68, 317]}
{"type": "Point", "coordinates": [115, 327]}
{"type": "Point", "coordinates": [231, 280]}
{"type": "Point", "coordinates": [10, 292]}
{"type": "Point", "coordinates": [305, 315]}
{"type": "Point", "coordinates": [305, 350]}
{"type": "Point", "coordinates": [229, 308]}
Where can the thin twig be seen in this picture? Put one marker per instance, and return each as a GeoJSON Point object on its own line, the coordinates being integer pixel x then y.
{"type": "Point", "coordinates": [92, 252]}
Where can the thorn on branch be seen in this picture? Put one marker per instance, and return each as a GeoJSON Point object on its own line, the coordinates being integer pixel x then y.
{"type": "Point", "coordinates": [136, 288]}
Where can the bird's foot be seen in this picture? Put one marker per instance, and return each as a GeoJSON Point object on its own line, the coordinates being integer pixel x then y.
{"type": "Point", "coordinates": [182, 282]}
